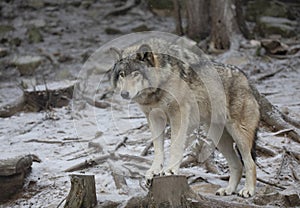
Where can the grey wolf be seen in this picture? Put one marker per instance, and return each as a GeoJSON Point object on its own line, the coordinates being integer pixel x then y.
{"type": "Point", "coordinates": [170, 91]}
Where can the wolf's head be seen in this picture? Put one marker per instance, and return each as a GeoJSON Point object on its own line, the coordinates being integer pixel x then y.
{"type": "Point", "coordinates": [130, 75]}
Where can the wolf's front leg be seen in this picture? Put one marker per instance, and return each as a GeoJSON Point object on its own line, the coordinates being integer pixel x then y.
{"type": "Point", "coordinates": [179, 129]}
{"type": "Point", "coordinates": [157, 122]}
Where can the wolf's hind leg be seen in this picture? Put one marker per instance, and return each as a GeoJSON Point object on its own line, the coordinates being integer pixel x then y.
{"type": "Point", "coordinates": [243, 137]}
{"type": "Point", "coordinates": [225, 146]}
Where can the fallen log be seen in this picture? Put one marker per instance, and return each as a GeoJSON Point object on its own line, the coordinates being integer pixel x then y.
{"type": "Point", "coordinates": [275, 118]}
{"type": "Point", "coordinates": [12, 174]}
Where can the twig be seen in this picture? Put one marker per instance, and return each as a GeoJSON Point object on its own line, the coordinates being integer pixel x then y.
{"type": "Point", "coordinates": [271, 184]}
{"type": "Point", "coordinates": [281, 132]}
{"type": "Point", "coordinates": [265, 150]}
{"type": "Point", "coordinates": [130, 130]}
{"type": "Point", "coordinates": [123, 9]}
{"type": "Point", "coordinates": [52, 142]}
{"type": "Point", "coordinates": [121, 144]}
{"type": "Point", "coordinates": [60, 203]}
{"type": "Point", "coordinates": [44, 141]}
{"type": "Point", "coordinates": [104, 158]}
{"type": "Point", "coordinates": [119, 179]}
{"type": "Point", "coordinates": [146, 149]}
{"type": "Point", "coordinates": [90, 163]}
{"type": "Point", "coordinates": [197, 179]}
{"type": "Point", "coordinates": [133, 117]}
{"type": "Point", "coordinates": [271, 74]}
{"type": "Point", "coordinates": [226, 178]}
{"type": "Point", "coordinates": [281, 164]}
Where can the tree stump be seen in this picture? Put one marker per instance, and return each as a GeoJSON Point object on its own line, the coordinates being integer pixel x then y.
{"type": "Point", "coordinates": [82, 193]}
{"type": "Point", "coordinates": [170, 191]}
{"type": "Point", "coordinates": [55, 94]}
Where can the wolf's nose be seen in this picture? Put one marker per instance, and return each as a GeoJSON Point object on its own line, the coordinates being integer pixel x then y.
{"type": "Point", "coordinates": [125, 94]}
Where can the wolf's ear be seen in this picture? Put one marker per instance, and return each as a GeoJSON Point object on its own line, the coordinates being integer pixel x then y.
{"type": "Point", "coordinates": [145, 53]}
{"type": "Point", "coordinates": [116, 53]}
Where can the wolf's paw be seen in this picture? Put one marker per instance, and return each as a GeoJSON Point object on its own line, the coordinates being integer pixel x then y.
{"type": "Point", "coordinates": [246, 192]}
{"type": "Point", "coordinates": [168, 171]}
{"type": "Point", "coordinates": [150, 174]}
{"type": "Point", "coordinates": [224, 191]}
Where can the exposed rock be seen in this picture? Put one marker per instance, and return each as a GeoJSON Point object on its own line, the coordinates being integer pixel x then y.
{"type": "Point", "coordinates": [16, 41]}
{"type": "Point", "coordinates": [274, 47]}
{"type": "Point", "coordinates": [158, 4]}
{"type": "Point", "coordinates": [291, 197]}
{"type": "Point", "coordinates": [3, 52]}
{"type": "Point", "coordinates": [5, 29]}
{"type": "Point", "coordinates": [27, 64]}
{"type": "Point", "coordinates": [34, 35]}
{"type": "Point", "coordinates": [276, 25]}
{"type": "Point", "coordinates": [36, 4]}
{"type": "Point", "coordinates": [140, 28]}
{"type": "Point", "coordinates": [39, 23]}
{"type": "Point", "coordinates": [256, 9]}
{"type": "Point", "coordinates": [161, 8]}
{"type": "Point", "coordinates": [11, 99]}
{"type": "Point", "coordinates": [112, 31]}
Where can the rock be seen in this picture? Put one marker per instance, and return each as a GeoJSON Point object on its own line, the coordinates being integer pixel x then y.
{"type": "Point", "coordinates": [34, 35]}
{"type": "Point", "coordinates": [16, 41]}
{"type": "Point", "coordinates": [27, 64]}
{"type": "Point", "coordinates": [291, 197]}
{"type": "Point", "coordinates": [140, 28]}
{"type": "Point", "coordinates": [86, 4]}
{"type": "Point", "coordinates": [112, 31]}
{"type": "Point", "coordinates": [274, 47]}
{"type": "Point", "coordinates": [39, 23]}
{"type": "Point", "coordinates": [5, 29]}
{"type": "Point", "coordinates": [161, 8]}
{"type": "Point", "coordinates": [276, 25]}
{"type": "Point", "coordinates": [11, 99]}
{"type": "Point", "coordinates": [36, 4]}
{"type": "Point", "coordinates": [158, 4]}
{"type": "Point", "coordinates": [256, 9]}
{"type": "Point", "coordinates": [3, 52]}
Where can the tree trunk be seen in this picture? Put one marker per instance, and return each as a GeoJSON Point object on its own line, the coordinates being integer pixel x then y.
{"type": "Point", "coordinates": [198, 19]}
{"type": "Point", "coordinates": [224, 24]}
{"type": "Point", "coordinates": [177, 16]}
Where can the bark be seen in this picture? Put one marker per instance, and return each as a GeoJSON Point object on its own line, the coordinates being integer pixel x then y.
{"type": "Point", "coordinates": [227, 22]}
{"type": "Point", "coordinates": [177, 16]}
{"type": "Point", "coordinates": [198, 19]}
{"type": "Point", "coordinates": [169, 191]}
{"type": "Point", "coordinates": [82, 193]}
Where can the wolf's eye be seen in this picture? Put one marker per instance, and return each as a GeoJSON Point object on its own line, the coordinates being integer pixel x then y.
{"type": "Point", "coordinates": [122, 74]}
{"type": "Point", "coordinates": [136, 73]}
